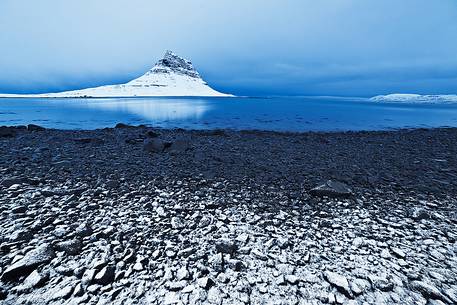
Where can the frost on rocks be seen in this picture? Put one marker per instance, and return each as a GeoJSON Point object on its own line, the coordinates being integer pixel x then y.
{"type": "Point", "coordinates": [229, 221]}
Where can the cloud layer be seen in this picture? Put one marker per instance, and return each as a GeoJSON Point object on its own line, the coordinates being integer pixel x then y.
{"type": "Point", "coordinates": [268, 47]}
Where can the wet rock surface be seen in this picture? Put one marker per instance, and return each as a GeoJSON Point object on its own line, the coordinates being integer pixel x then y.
{"type": "Point", "coordinates": [225, 217]}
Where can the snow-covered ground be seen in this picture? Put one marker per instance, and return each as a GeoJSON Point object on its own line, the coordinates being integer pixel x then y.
{"type": "Point", "coordinates": [415, 98]}
{"type": "Point", "coordinates": [171, 76]}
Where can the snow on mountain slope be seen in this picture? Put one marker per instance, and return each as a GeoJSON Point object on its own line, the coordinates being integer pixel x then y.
{"type": "Point", "coordinates": [171, 76]}
{"type": "Point", "coordinates": [415, 98]}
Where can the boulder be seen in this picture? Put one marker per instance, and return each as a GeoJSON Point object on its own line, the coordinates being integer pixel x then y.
{"type": "Point", "coordinates": [7, 132]}
{"type": "Point", "coordinates": [332, 189]}
{"type": "Point", "coordinates": [70, 247]}
{"type": "Point", "coordinates": [180, 146]}
{"type": "Point", "coordinates": [122, 125]}
{"type": "Point", "coordinates": [40, 255]}
{"type": "Point", "coordinates": [105, 276]}
{"type": "Point", "coordinates": [339, 281]}
{"type": "Point", "coordinates": [153, 145]}
{"type": "Point", "coordinates": [226, 246]}
{"type": "Point", "coordinates": [33, 127]}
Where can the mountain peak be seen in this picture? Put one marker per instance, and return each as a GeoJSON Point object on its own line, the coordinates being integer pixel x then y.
{"type": "Point", "coordinates": [172, 63]}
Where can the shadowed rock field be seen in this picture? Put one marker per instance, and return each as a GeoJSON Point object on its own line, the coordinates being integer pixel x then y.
{"type": "Point", "coordinates": [136, 215]}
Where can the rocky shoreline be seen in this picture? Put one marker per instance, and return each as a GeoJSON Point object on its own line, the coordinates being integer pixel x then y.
{"type": "Point", "coordinates": [136, 215]}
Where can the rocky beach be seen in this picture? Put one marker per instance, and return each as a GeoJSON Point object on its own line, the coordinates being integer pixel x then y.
{"type": "Point", "coordinates": [138, 215]}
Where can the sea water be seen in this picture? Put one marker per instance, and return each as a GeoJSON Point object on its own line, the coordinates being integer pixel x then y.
{"type": "Point", "coordinates": [275, 113]}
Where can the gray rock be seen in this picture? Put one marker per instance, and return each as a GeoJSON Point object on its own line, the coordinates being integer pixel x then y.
{"type": "Point", "coordinates": [19, 209]}
{"type": "Point", "coordinates": [33, 127]}
{"type": "Point", "coordinates": [226, 246]}
{"type": "Point", "coordinates": [70, 247]}
{"type": "Point", "coordinates": [428, 290]}
{"type": "Point", "coordinates": [292, 279]}
{"type": "Point", "coordinates": [40, 255]}
{"type": "Point", "coordinates": [153, 145]}
{"type": "Point", "coordinates": [177, 223]}
{"type": "Point", "coordinates": [7, 132]}
{"type": "Point", "coordinates": [36, 279]}
{"type": "Point", "coordinates": [205, 282]}
{"type": "Point", "coordinates": [180, 146]}
{"type": "Point", "coordinates": [88, 277]}
{"type": "Point", "coordinates": [105, 276]}
{"type": "Point", "coordinates": [83, 230]}
{"type": "Point", "coordinates": [419, 214]}
{"type": "Point", "coordinates": [182, 274]}
{"type": "Point", "coordinates": [398, 252]}
{"type": "Point", "coordinates": [332, 189]}
{"type": "Point", "coordinates": [3, 293]}
{"type": "Point", "coordinates": [21, 235]}
{"type": "Point", "coordinates": [339, 281]}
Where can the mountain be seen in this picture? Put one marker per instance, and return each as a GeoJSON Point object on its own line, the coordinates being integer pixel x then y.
{"type": "Point", "coordinates": [170, 76]}
{"type": "Point", "coordinates": [415, 98]}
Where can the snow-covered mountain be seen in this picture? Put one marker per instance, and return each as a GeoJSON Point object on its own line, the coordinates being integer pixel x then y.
{"type": "Point", "coordinates": [171, 76]}
{"type": "Point", "coordinates": [415, 98]}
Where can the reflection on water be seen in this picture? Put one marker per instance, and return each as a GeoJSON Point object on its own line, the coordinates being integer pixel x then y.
{"type": "Point", "coordinates": [160, 109]}
{"type": "Point", "coordinates": [281, 114]}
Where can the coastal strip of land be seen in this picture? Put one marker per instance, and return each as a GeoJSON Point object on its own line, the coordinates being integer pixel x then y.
{"type": "Point", "coordinates": [139, 215]}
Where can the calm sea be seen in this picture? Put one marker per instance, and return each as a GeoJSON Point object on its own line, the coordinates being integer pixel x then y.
{"type": "Point", "coordinates": [279, 113]}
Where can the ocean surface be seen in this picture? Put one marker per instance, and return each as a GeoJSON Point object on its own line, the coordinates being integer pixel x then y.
{"type": "Point", "coordinates": [278, 113]}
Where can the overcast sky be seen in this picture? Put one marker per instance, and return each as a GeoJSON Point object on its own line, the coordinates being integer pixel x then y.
{"type": "Point", "coordinates": [248, 47]}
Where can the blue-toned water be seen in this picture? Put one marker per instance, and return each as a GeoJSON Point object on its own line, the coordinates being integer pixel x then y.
{"type": "Point", "coordinates": [280, 114]}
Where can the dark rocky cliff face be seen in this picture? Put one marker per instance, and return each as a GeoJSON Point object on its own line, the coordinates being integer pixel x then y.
{"type": "Point", "coordinates": [174, 63]}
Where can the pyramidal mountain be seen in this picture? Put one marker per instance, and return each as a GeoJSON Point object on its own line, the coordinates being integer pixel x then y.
{"type": "Point", "coordinates": [170, 76]}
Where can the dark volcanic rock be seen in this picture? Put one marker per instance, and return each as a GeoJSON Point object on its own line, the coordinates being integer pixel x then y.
{"type": "Point", "coordinates": [226, 246]}
{"type": "Point", "coordinates": [41, 255]}
{"type": "Point", "coordinates": [332, 189]}
{"type": "Point", "coordinates": [7, 132]}
{"type": "Point", "coordinates": [3, 293]}
{"type": "Point", "coordinates": [33, 127]}
{"type": "Point", "coordinates": [122, 125]}
{"type": "Point", "coordinates": [153, 145]}
{"type": "Point", "coordinates": [228, 221]}
{"type": "Point", "coordinates": [105, 276]}
{"type": "Point", "coordinates": [71, 247]}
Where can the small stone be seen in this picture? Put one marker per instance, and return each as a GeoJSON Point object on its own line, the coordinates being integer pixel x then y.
{"type": "Point", "coordinates": [205, 282]}
{"type": "Point", "coordinates": [339, 281]}
{"type": "Point", "coordinates": [398, 252]}
{"type": "Point", "coordinates": [138, 266]}
{"type": "Point", "coordinates": [428, 290]}
{"type": "Point", "coordinates": [88, 277]}
{"type": "Point", "coordinates": [177, 223]}
{"type": "Point", "coordinates": [385, 253]}
{"type": "Point", "coordinates": [35, 279]}
{"type": "Point", "coordinates": [105, 276]}
{"type": "Point", "coordinates": [62, 293]}
{"type": "Point", "coordinates": [83, 230]}
{"type": "Point", "coordinates": [70, 247]}
{"type": "Point", "coordinates": [3, 293]}
{"type": "Point", "coordinates": [419, 213]}
{"type": "Point", "coordinates": [291, 279]}
{"type": "Point", "coordinates": [19, 209]}
{"type": "Point", "coordinates": [226, 246]}
{"type": "Point", "coordinates": [182, 274]}
{"type": "Point", "coordinates": [188, 289]}
{"type": "Point", "coordinates": [180, 146]}
{"type": "Point", "coordinates": [171, 298]}
{"type": "Point", "coordinates": [332, 189]}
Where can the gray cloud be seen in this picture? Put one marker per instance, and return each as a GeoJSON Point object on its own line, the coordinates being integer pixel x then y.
{"type": "Point", "coordinates": [342, 47]}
